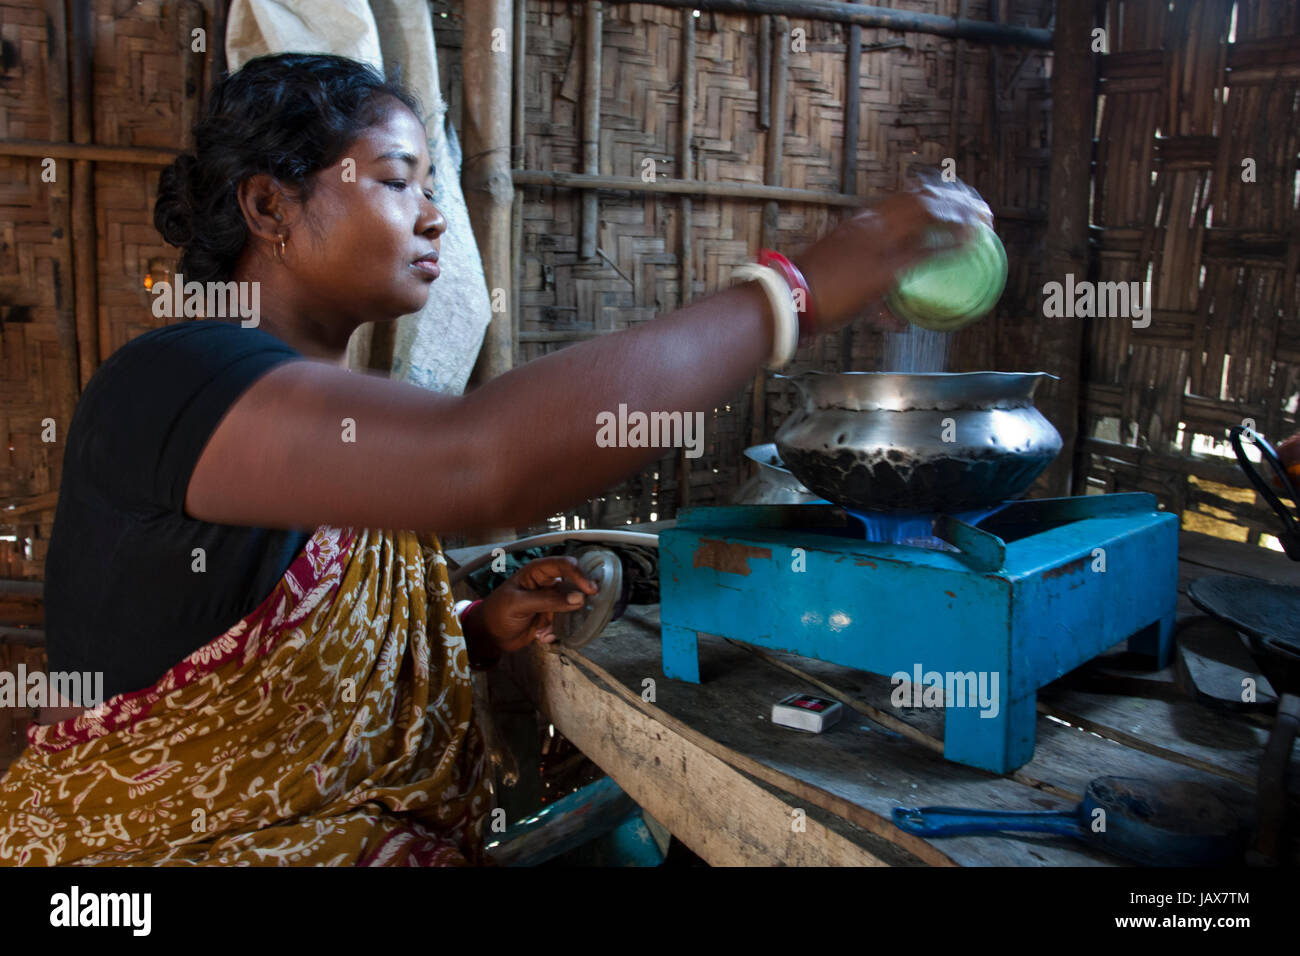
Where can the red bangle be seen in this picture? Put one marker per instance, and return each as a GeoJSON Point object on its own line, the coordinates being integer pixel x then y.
{"type": "Point", "coordinates": [794, 279]}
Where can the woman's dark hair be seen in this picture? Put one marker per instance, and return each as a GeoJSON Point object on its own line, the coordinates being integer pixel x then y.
{"type": "Point", "coordinates": [289, 115]}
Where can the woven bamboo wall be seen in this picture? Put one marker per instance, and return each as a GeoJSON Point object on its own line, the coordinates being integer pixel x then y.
{"type": "Point", "coordinates": [147, 88]}
{"type": "Point", "coordinates": [1182, 108]}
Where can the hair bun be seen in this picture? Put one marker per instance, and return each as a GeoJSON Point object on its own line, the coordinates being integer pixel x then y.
{"type": "Point", "coordinates": [173, 213]}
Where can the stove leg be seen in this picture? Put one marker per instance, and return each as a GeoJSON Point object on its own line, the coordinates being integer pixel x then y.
{"type": "Point", "coordinates": [1000, 742]}
{"type": "Point", "coordinates": [1155, 640]}
{"type": "Point", "coordinates": [681, 651]}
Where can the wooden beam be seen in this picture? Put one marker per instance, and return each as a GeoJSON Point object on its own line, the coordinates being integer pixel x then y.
{"type": "Point", "coordinates": [980, 31]}
{"type": "Point", "coordinates": [30, 505]}
{"type": "Point", "coordinates": [591, 129]}
{"type": "Point", "coordinates": [692, 187]}
{"type": "Point", "coordinates": [686, 257]}
{"type": "Point", "coordinates": [1074, 82]}
{"type": "Point", "coordinates": [958, 55]}
{"type": "Point", "coordinates": [190, 15]}
{"type": "Point", "coordinates": [39, 149]}
{"type": "Point", "coordinates": [216, 46]}
{"type": "Point", "coordinates": [724, 816]}
{"type": "Point", "coordinates": [681, 187]}
{"type": "Point", "coordinates": [64, 394]}
{"type": "Point", "coordinates": [85, 237]}
{"type": "Point", "coordinates": [852, 106]}
{"type": "Point", "coordinates": [772, 178]}
{"type": "Point", "coordinates": [848, 166]}
{"type": "Point", "coordinates": [518, 132]}
{"type": "Point", "coordinates": [765, 73]}
{"type": "Point", "coordinates": [489, 193]}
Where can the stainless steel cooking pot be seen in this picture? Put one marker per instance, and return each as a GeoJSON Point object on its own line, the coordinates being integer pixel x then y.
{"type": "Point", "coordinates": [925, 442]}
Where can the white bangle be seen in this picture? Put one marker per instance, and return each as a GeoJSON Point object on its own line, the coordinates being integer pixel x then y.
{"type": "Point", "coordinates": [459, 607]}
{"type": "Point", "coordinates": [785, 337]}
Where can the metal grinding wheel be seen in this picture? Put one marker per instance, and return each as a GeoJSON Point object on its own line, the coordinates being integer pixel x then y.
{"type": "Point", "coordinates": [576, 628]}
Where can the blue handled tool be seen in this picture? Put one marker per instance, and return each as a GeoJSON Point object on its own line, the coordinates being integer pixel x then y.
{"type": "Point", "coordinates": [1149, 822]}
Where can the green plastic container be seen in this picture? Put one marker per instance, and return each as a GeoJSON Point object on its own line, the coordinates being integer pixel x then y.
{"type": "Point", "coordinates": [955, 288]}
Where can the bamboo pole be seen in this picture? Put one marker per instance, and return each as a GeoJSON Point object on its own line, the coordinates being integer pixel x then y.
{"type": "Point", "coordinates": [958, 56]}
{"type": "Point", "coordinates": [849, 162]}
{"type": "Point", "coordinates": [81, 44]}
{"type": "Point", "coordinates": [754, 191]}
{"type": "Point", "coordinates": [517, 133]}
{"type": "Point", "coordinates": [191, 15]}
{"type": "Point", "coordinates": [217, 45]}
{"type": "Point", "coordinates": [686, 187]}
{"type": "Point", "coordinates": [137, 155]}
{"type": "Point", "coordinates": [486, 178]}
{"type": "Point", "coordinates": [852, 99]}
{"type": "Point", "coordinates": [1074, 77]}
{"type": "Point", "coordinates": [65, 317]}
{"type": "Point", "coordinates": [772, 177]}
{"type": "Point", "coordinates": [560, 335]}
{"type": "Point", "coordinates": [980, 31]}
{"type": "Point", "coordinates": [686, 167]}
{"type": "Point", "coordinates": [995, 92]}
{"type": "Point", "coordinates": [591, 129]}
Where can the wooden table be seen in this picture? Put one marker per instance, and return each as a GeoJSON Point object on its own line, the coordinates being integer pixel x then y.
{"type": "Point", "coordinates": [706, 761]}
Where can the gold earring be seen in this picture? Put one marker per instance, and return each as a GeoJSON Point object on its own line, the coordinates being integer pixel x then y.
{"type": "Point", "coordinates": [283, 240]}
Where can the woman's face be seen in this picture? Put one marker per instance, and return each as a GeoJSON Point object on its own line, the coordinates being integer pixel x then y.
{"type": "Point", "coordinates": [371, 218]}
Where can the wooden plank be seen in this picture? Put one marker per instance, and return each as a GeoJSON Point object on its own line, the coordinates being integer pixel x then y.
{"type": "Point", "coordinates": [1182, 731]}
{"type": "Point", "coordinates": [856, 770]}
{"type": "Point", "coordinates": [1195, 747]}
{"type": "Point", "coordinates": [715, 810]}
{"type": "Point", "coordinates": [1217, 556]}
{"type": "Point", "coordinates": [863, 771]}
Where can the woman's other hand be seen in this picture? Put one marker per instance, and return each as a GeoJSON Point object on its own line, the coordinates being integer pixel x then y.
{"type": "Point", "coordinates": [522, 609]}
{"type": "Point", "coordinates": [856, 264]}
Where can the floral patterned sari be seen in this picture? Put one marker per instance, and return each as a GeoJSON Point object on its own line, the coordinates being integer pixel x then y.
{"type": "Point", "coordinates": [332, 725]}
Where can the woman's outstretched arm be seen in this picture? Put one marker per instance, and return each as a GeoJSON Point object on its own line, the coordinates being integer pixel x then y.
{"type": "Point", "coordinates": [310, 443]}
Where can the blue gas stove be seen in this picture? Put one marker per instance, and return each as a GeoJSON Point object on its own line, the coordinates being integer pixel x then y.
{"type": "Point", "coordinates": [979, 610]}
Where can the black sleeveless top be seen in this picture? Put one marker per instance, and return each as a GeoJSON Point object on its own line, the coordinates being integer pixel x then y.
{"type": "Point", "coordinates": [125, 591]}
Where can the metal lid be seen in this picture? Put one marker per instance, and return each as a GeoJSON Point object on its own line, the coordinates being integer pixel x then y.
{"type": "Point", "coordinates": [579, 627]}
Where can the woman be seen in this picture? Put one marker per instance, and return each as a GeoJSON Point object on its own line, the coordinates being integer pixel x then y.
{"type": "Point", "coordinates": [286, 679]}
